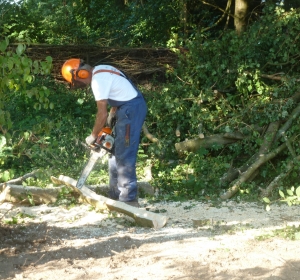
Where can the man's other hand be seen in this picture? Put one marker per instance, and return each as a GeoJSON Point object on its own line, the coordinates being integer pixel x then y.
{"type": "Point", "coordinates": [90, 140]}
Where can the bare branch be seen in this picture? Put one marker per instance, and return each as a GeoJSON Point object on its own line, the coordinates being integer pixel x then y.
{"type": "Point", "coordinates": [149, 135]}
{"type": "Point", "coordinates": [276, 182]}
{"type": "Point", "coordinates": [249, 172]}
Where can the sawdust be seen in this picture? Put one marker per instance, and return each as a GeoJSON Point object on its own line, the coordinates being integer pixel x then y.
{"type": "Point", "coordinates": [200, 241]}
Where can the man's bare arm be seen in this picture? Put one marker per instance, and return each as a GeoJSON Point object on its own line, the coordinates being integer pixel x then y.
{"type": "Point", "coordinates": [101, 117]}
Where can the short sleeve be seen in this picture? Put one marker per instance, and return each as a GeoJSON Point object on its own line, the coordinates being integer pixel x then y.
{"type": "Point", "coordinates": [100, 87]}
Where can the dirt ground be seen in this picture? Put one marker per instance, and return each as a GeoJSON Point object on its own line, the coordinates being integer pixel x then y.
{"type": "Point", "coordinates": [200, 241]}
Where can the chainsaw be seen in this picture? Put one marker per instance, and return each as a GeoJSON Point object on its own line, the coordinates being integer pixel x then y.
{"type": "Point", "coordinates": [103, 144]}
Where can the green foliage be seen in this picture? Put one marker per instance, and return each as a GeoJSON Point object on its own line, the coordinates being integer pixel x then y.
{"type": "Point", "coordinates": [291, 197]}
{"type": "Point", "coordinates": [108, 23]}
{"type": "Point", "coordinates": [221, 84]}
{"type": "Point", "coordinates": [17, 219]}
{"type": "Point", "coordinates": [66, 197]}
{"type": "Point", "coordinates": [17, 75]}
{"type": "Point", "coordinates": [289, 233]}
{"type": "Point", "coordinates": [191, 177]}
{"type": "Point", "coordinates": [246, 96]}
{"type": "Point", "coordinates": [50, 139]}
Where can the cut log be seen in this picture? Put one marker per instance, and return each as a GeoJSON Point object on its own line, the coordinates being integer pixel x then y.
{"type": "Point", "coordinates": [29, 195]}
{"type": "Point", "coordinates": [142, 217]}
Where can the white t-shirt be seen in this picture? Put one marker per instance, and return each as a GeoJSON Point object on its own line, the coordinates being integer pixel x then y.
{"type": "Point", "coordinates": [107, 85]}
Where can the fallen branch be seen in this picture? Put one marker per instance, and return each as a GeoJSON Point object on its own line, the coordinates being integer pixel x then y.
{"type": "Point", "coordinates": [29, 194]}
{"type": "Point", "coordinates": [249, 172]}
{"type": "Point", "coordinates": [149, 135]}
{"type": "Point", "coordinates": [276, 182]}
{"type": "Point", "coordinates": [207, 142]}
{"type": "Point", "coordinates": [295, 114]}
{"type": "Point", "coordinates": [273, 77]}
{"type": "Point", "coordinates": [233, 173]}
{"type": "Point", "coordinates": [35, 195]}
{"type": "Point", "coordinates": [19, 180]}
{"type": "Point", "coordinates": [142, 217]}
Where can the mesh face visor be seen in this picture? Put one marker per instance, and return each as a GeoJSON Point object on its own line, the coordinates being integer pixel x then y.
{"type": "Point", "coordinates": [77, 85]}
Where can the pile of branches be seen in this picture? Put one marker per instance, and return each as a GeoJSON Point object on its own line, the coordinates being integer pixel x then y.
{"type": "Point", "coordinates": [274, 140]}
{"type": "Point", "coordinates": [138, 63]}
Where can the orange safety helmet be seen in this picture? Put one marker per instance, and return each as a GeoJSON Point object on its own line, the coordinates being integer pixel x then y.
{"type": "Point", "coordinates": [74, 68]}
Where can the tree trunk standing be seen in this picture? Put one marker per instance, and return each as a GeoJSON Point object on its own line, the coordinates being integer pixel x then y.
{"type": "Point", "coordinates": [184, 19]}
{"type": "Point", "coordinates": [240, 15]}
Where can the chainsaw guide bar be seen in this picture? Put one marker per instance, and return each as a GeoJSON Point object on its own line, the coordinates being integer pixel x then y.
{"type": "Point", "coordinates": [95, 156]}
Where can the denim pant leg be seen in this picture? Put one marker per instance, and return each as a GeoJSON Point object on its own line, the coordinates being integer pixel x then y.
{"type": "Point", "coordinates": [113, 178]}
{"type": "Point", "coordinates": [130, 118]}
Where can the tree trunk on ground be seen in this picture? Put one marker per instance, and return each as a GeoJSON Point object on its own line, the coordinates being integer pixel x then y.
{"type": "Point", "coordinates": [209, 141]}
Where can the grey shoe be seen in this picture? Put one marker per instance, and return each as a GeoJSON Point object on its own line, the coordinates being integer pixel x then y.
{"type": "Point", "coordinates": [112, 195]}
{"type": "Point", "coordinates": [133, 203]}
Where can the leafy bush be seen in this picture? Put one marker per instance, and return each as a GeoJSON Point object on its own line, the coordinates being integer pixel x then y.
{"type": "Point", "coordinates": [233, 83]}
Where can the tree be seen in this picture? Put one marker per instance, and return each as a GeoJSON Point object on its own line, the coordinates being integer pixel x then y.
{"type": "Point", "coordinates": [17, 72]}
{"type": "Point", "coordinates": [241, 10]}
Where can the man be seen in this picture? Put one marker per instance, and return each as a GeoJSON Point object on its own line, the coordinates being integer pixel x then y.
{"type": "Point", "coordinates": [111, 87]}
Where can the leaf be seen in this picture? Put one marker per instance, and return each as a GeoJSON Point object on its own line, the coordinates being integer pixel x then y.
{"type": "Point", "coordinates": [290, 192]}
{"type": "Point", "coordinates": [298, 191]}
{"type": "Point", "coordinates": [2, 141]}
{"type": "Point", "coordinates": [10, 63]}
{"type": "Point", "coordinates": [49, 59]}
{"type": "Point", "coordinates": [27, 78]}
{"type": "Point", "coordinates": [26, 135]}
{"type": "Point", "coordinates": [20, 49]}
{"type": "Point", "coordinates": [25, 61]}
{"type": "Point", "coordinates": [3, 46]}
{"type": "Point", "coordinates": [35, 67]}
{"type": "Point", "coordinates": [268, 208]}
{"type": "Point", "coordinates": [5, 176]}
{"type": "Point", "coordinates": [297, 235]}
{"type": "Point", "coordinates": [266, 200]}
{"type": "Point", "coordinates": [281, 194]}
{"type": "Point", "coordinates": [227, 128]}
{"type": "Point", "coordinates": [29, 93]}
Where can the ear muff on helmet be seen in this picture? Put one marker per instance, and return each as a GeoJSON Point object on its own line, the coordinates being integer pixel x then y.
{"type": "Point", "coordinates": [82, 74]}
{"type": "Point", "coordinates": [73, 69]}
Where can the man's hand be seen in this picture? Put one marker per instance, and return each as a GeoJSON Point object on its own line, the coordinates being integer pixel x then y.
{"type": "Point", "coordinates": [111, 118]}
{"type": "Point", "coordinates": [90, 140]}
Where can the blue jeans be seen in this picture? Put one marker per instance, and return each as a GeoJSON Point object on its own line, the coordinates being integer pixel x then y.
{"type": "Point", "coordinates": [122, 165]}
